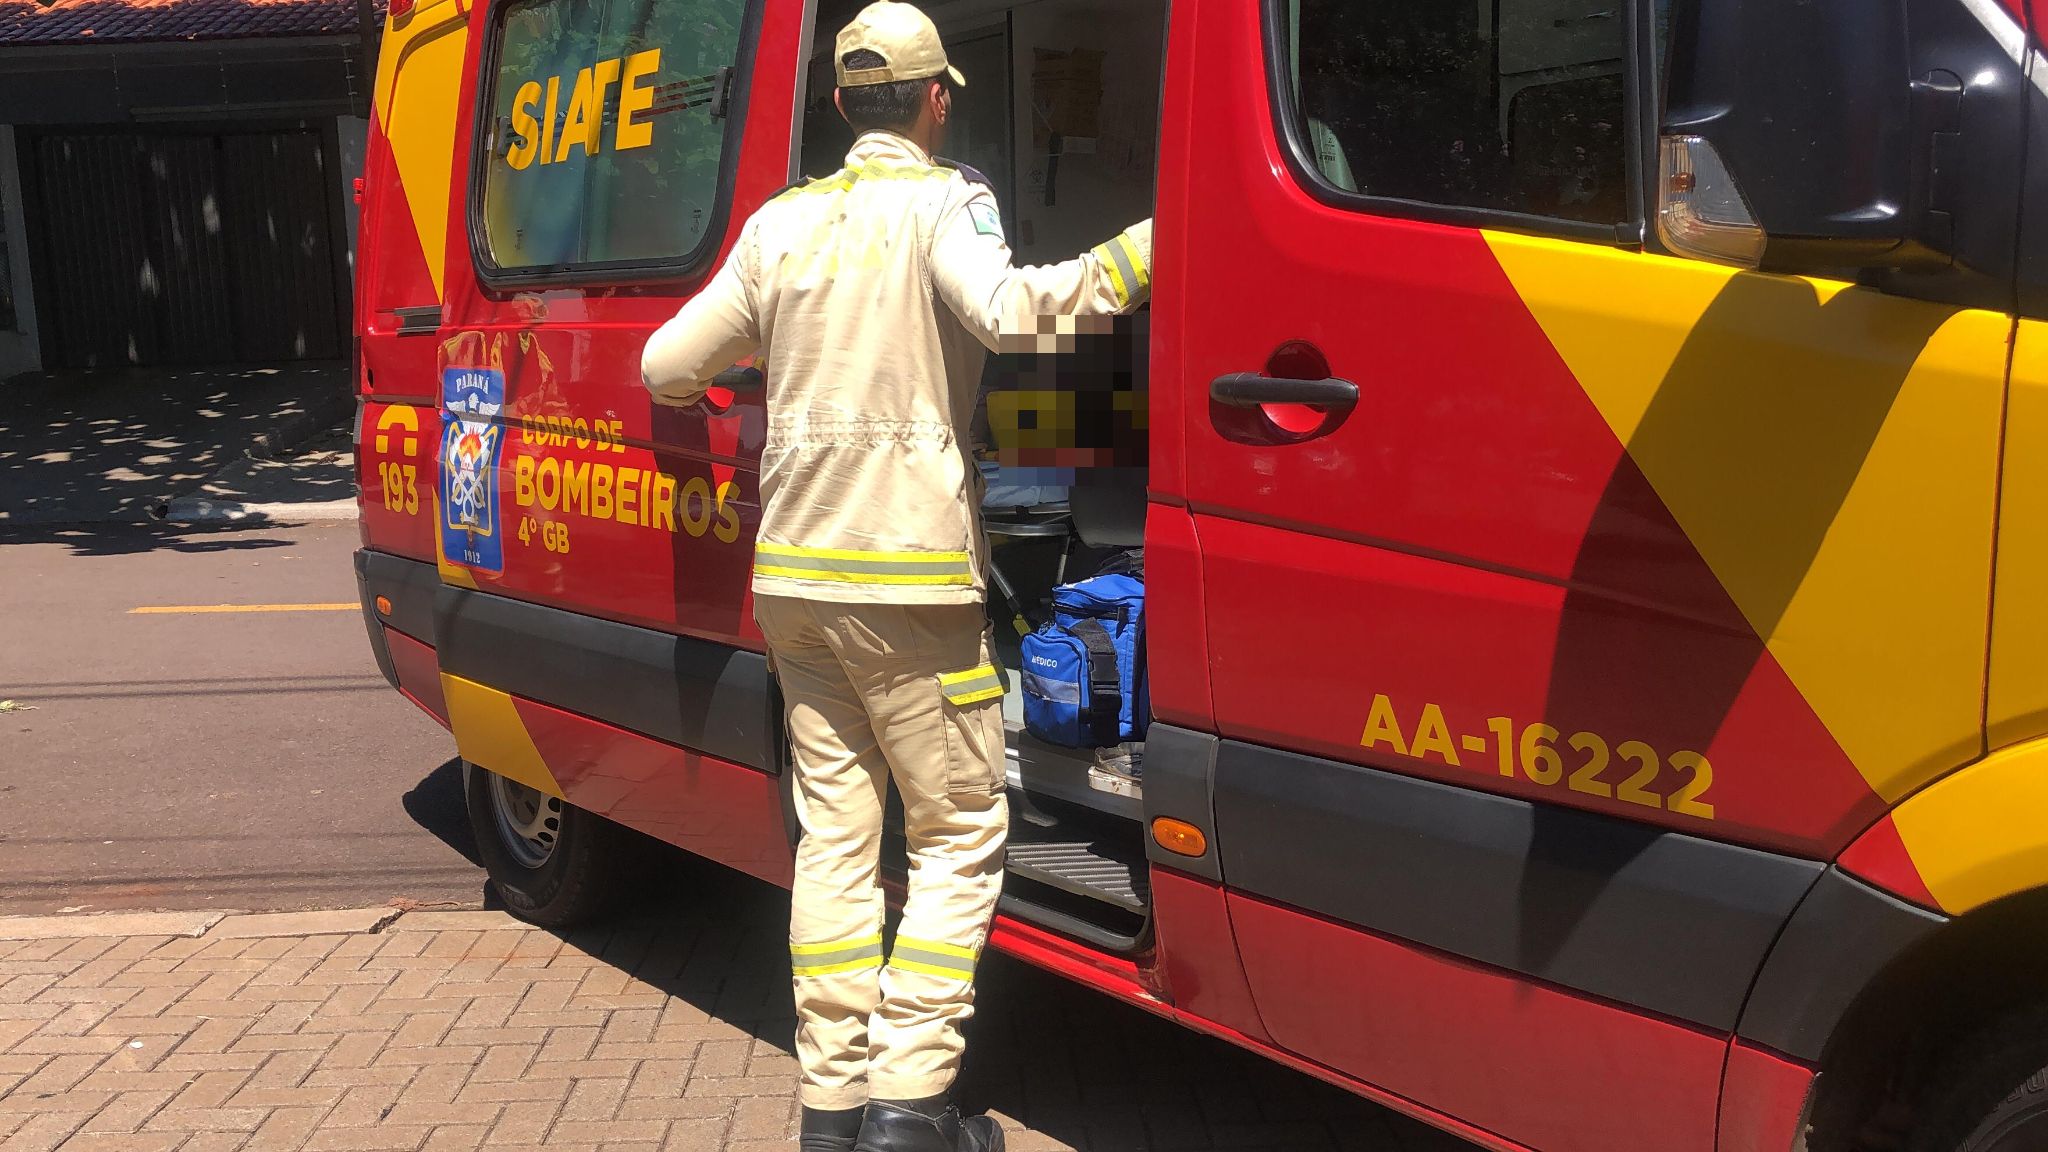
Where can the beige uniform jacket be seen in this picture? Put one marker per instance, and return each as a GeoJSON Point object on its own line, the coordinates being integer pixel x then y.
{"type": "Point", "coordinates": [876, 293]}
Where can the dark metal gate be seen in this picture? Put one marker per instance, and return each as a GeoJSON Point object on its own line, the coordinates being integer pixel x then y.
{"type": "Point", "coordinates": [185, 248]}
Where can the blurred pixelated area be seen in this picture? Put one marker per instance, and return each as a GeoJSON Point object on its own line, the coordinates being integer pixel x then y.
{"type": "Point", "coordinates": [1070, 395]}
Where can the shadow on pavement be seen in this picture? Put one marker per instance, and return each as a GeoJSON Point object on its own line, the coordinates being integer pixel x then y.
{"type": "Point", "coordinates": [437, 804]}
{"type": "Point", "coordinates": [1069, 1063]}
{"type": "Point", "coordinates": [131, 539]}
{"type": "Point", "coordinates": [108, 446]}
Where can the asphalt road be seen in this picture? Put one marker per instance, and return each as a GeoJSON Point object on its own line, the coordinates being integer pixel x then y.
{"type": "Point", "coordinates": [234, 760]}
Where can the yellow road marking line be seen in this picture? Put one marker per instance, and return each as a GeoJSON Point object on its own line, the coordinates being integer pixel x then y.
{"type": "Point", "coordinates": [172, 609]}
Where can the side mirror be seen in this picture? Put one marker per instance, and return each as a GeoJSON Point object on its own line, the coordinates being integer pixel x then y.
{"type": "Point", "coordinates": [1835, 135]}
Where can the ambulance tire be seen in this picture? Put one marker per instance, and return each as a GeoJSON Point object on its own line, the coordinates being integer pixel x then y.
{"type": "Point", "coordinates": [589, 873]}
{"type": "Point", "coordinates": [1994, 1095]}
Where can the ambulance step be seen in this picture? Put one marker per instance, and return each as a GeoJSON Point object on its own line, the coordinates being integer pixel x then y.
{"type": "Point", "coordinates": [1063, 773]}
{"type": "Point", "coordinates": [1084, 869]}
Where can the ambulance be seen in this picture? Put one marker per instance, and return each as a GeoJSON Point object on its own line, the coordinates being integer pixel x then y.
{"type": "Point", "coordinates": [1593, 519]}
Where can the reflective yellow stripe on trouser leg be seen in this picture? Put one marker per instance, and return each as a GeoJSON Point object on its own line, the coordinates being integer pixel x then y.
{"type": "Point", "coordinates": [837, 956]}
{"type": "Point", "coordinates": [933, 958]}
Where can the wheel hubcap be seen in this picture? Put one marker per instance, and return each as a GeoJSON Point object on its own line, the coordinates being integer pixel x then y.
{"type": "Point", "coordinates": [529, 821]}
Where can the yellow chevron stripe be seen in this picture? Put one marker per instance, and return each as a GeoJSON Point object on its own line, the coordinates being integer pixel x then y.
{"type": "Point", "coordinates": [1978, 835]}
{"type": "Point", "coordinates": [490, 734]}
{"type": "Point", "coordinates": [419, 85]}
{"type": "Point", "coordinates": [2017, 697]}
{"type": "Point", "coordinates": [1830, 450]}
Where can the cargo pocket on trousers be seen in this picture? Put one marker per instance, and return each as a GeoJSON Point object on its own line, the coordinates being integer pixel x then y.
{"type": "Point", "coordinates": [974, 728]}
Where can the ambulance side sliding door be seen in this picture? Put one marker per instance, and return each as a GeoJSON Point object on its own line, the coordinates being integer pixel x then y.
{"type": "Point", "coordinates": [1566, 606]}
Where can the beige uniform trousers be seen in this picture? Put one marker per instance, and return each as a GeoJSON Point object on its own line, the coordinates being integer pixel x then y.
{"type": "Point", "coordinates": [876, 691]}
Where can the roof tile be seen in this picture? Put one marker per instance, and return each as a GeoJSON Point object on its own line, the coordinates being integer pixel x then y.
{"type": "Point", "coordinates": [26, 22]}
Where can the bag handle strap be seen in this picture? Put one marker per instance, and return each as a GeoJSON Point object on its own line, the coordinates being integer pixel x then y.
{"type": "Point", "coordinates": [1105, 687]}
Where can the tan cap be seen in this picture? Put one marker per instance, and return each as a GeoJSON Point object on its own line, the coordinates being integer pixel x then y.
{"type": "Point", "coordinates": [905, 40]}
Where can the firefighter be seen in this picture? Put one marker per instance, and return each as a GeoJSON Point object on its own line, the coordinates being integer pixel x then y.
{"type": "Point", "coordinates": [873, 296]}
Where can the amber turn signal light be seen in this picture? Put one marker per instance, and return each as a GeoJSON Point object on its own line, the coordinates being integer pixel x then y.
{"type": "Point", "coordinates": [1179, 837]}
{"type": "Point", "coordinates": [383, 605]}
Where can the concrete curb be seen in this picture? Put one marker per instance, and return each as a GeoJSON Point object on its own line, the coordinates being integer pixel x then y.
{"type": "Point", "coordinates": [321, 413]}
{"type": "Point", "coordinates": [108, 924]}
{"type": "Point", "coordinates": [194, 510]}
{"type": "Point", "coordinates": [458, 921]}
{"type": "Point", "coordinates": [251, 925]}
{"type": "Point", "coordinates": [339, 922]}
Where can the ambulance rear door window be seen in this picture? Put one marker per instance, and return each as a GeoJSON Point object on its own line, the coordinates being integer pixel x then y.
{"type": "Point", "coordinates": [603, 149]}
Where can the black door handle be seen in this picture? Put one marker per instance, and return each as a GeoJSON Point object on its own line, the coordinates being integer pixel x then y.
{"type": "Point", "coordinates": [1249, 390]}
{"type": "Point", "coordinates": [741, 378]}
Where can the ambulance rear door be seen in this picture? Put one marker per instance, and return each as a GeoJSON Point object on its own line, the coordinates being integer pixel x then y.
{"type": "Point", "coordinates": [616, 147]}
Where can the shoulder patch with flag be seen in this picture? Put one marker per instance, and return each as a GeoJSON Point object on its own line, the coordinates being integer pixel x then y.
{"type": "Point", "coordinates": [986, 221]}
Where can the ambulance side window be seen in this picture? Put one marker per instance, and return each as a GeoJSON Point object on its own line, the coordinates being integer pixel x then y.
{"type": "Point", "coordinates": [1514, 106]}
{"type": "Point", "coordinates": [602, 146]}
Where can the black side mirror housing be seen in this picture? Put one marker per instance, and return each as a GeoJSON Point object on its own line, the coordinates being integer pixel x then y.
{"type": "Point", "coordinates": [1865, 136]}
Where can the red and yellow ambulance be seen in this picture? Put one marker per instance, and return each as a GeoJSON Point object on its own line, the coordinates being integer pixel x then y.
{"type": "Point", "coordinates": [1594, 521]}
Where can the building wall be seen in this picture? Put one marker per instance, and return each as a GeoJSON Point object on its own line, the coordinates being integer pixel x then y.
{"type": "Point", "coordinates": [1103, 183]}
{"type": "Point", "coordinates": [19, 351]}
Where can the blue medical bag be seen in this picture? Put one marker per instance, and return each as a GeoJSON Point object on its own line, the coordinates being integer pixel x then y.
{"type": "Point", "coordinates": [1084, 672]}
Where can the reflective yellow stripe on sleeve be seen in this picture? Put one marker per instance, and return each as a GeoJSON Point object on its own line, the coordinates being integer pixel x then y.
{"type": "Point", "coordinates": [971, 686]}
{"type": "Point", "coordinates": [933, 958]}
{"type": "Point", "coordinates": [854, 567]}
{"type": "Point", "coordinates": [835, 956]}
{"type": "Point", "coordinates": [1127, 272]}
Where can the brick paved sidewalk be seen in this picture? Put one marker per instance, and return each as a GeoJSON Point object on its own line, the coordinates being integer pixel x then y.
{"type": "Point", "coordinates": [668, 1031]}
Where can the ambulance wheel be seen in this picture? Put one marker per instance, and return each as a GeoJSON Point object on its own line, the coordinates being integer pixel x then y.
{"type": "Point", "coordinates": [1994, 1096]}
{"type": "Point", "coordinates": [553, 864]}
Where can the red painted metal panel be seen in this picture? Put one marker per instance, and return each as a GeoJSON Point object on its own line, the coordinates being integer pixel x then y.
{"type": "Point", "coordinates": [1763, 1101]}
{"type": "Point", "coordinates": [1177, 638]}
{"type": "Point", "coordinates": [395, 477]}
{"type": "Point", "coordinates": [1359, 621]}
{"type": "Point", "coordinates": [703, 804]}
{"type": "Point", "coordinates": [397, 511]}
{"type": "Point", "coordinates": [1123, 980]}
{"type": "Point", "coordinates": [1528, 1062]}
{"type": "Point", "coordinates": [1879, 857]}
{"type": "Point", "coordinates": [1198, 953]}
{"type": "Point", "coordinates": [1081, 963]}
{"type": "Point", "coordinates": [419, 673]}
{"type": "Point", "coordinates": [392, 270]}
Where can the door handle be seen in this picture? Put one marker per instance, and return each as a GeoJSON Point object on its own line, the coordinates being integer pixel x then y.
{"type": "Point", "coordinates": [1250, 390]}
{"type": "Point", "coordinates": [421, 320]}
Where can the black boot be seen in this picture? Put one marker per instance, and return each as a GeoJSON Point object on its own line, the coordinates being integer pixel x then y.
{"type": "Point", "coordinates": [913, 1126]}
{"type": "Point", "coordinates": [829, 1131]}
